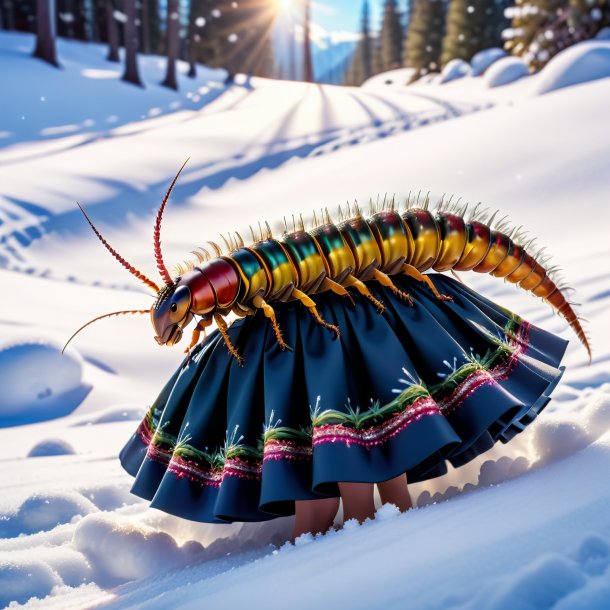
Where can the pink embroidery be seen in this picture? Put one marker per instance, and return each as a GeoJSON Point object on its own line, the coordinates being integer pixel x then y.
{"type": "Point", "coordinates": [375, 435]}
{"type": "Point", "coordinates": [286, 450]}
{"type": "Point", "coordinates": [484, 377]}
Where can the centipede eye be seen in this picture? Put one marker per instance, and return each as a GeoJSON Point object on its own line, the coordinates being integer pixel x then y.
{"type": "Point", "coordinates": [174, 307]}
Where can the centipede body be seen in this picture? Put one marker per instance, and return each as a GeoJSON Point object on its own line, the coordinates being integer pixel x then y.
{"type": "Point", "coordinates": [342, 257]}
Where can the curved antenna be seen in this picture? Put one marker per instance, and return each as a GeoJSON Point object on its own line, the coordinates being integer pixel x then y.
{"type": "Point", "coordinates": [107, 315]}
{"type": "Point", "coordinates": [116, 255]}
{"type": "Point", "coordinates": [165, 275]}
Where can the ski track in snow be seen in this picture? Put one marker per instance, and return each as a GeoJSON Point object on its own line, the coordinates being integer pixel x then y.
{"type": "Point", "coordinates": [525, 526]}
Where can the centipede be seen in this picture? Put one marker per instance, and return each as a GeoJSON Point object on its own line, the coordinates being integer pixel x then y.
{"type": "Point", "coordinates": [343, 256]}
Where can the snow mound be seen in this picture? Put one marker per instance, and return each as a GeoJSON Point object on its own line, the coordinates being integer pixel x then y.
{"type": "Point", "coordinates": [51, 446]}
{"type": "Point", "coordinates": [25, 578]}
{"type": "Point", "coordinates": [387, 511]}
{"type": "Point", "coordinates": [44, 512]}
{"type": "Point", "coordinates": [578, 64]}
{"type": "Point", "coordinates": [603, 34]}
{"type": "Point", "coordinates": [50, 383]}
{"type": "Point", "coordinates": [505, 71]}
{"type": "Point", "coordinates": [120, 550]}
{"type": "Point", "coordinates": [456, 68]}
{"type": "Point", "coordinates": [573, 581]}
{"type": "Point", "coordinates": [110, 497]}
{"type": "Point", "coordinates": [483, 59]}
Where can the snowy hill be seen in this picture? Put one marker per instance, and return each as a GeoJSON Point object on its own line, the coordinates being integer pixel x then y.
{"type": "Point", "coordinates": [524, 526]}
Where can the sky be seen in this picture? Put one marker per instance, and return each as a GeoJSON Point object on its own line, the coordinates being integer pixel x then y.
{"type": "Point", "coordinates": [344, 15]}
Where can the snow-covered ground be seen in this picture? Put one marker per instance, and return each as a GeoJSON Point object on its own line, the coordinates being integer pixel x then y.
{"type": "Point", "coordinates": [526, 526]}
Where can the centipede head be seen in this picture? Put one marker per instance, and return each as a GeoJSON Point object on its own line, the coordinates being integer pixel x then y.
{"type": "Point", "coordinates": [171, 313]}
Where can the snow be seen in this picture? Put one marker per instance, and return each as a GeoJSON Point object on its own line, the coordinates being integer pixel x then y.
{"type": "Point", "coordinates": [456, 68]}
{"type": "Point", "coordinates": [525, 526]}
{"type": "Point", "coordinates": [50, 385]}
{"type": "Point", "coordinates": [581, 63]}
{"type": "Point", "coordinates": [485, 58]}
{"type": "Point", "coordinates": [505, 71]}
{"type": "Point", "coordinates": [603, 34]}
{"type": "Point", "coordinates": [51, 446]}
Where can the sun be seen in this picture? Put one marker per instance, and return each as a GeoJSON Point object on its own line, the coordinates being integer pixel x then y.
{"type": "Point", "coordinates": [285, 5]}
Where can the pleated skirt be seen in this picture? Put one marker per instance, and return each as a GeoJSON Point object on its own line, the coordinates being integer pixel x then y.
{"type": "Point", "coordinates": [406, 391]}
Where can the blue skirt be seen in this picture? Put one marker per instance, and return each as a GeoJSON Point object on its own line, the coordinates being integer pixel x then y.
{"type": "Point", "coordinates": [405, 391]}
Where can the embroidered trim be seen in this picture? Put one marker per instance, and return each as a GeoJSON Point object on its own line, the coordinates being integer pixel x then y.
{"type": "Point", "coordinates": [375, 435]}
{"type": "Point", "coordinates": [367, 428]}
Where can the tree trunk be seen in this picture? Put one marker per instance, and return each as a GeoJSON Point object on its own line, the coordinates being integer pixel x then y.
{"type": "Point", "coordinates": [190, 50]}
{"type": "Point", "coordinates": [45, 32]}
{"type": "Point", "coordinates": [144, 31]}
{"type": "Point", "coordinates": [113, 32]}
{"type": "Point", "coordinates": [307, 64]}
{"type": "Point", "coordinates": [8, 15]}
{"type": "Point", "coordinates": [131, 74]}
{"type": "Point", "coordinates": [173, 44]}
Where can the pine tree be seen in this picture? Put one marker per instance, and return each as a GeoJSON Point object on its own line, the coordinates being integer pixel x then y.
{"type": "Point", "coordinates": [361, 66]}
{"type": "Point", "coordinates": [541, 30]}
{"type": "Point", "coordinates": [529, 17]}
{"type": "Point", "coordinates": [470, 28]}
{"type": "Point", "coordinates": [422, 48]}
{"type": "Point", "coordinates": [391, 37]}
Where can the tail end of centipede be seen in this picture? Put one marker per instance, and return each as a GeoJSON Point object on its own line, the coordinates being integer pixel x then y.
{"type": "Point", "coordinates": [565, 309]}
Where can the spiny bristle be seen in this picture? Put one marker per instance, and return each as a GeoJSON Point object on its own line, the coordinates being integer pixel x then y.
{"type": "Point", "coordinates": [227, 244]}
{"type": "Point", "coordinates": [217, 249]}
{"type": "Point", "coordinates": [269, 231]}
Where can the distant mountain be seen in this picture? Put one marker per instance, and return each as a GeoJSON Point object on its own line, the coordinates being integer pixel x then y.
{"type": "Point", "coordinates": [331, 63]}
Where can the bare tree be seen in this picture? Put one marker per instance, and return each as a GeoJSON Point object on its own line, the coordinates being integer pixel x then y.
{"type": "Point", "coordinates": [307, 63]}
{"type": "Point", "coordinates": [113, 32]}
{"type": "Point", "coordinates": [45, 32]}
{"type": "Point", "coordinates": [131, 74]}
{"type": "Point", "coordinates": [173, 44]}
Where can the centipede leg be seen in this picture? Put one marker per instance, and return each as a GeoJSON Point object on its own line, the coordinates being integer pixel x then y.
{"type": "Point", "coordinates": [350, 281]}
{"type": "Point", "coordinates": [420, 277]}
{"type": "Point", "coordinates": [201, 326]}
{"type": "Point", "coordinates": [329, 284]}
{"type": "Point", "coordinates": [260, 303]}
{"type": "Point", "coordinates": [311, 306]}
{"type": "Point", "coordinates": [385, 280]}
{"type": "Point", "coordinates": [222, 327]}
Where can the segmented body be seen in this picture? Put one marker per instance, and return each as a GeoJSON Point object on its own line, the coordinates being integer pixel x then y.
{"type": "Point", "coordinates": [386, 243]}
{"type": "Point", "coordinates": [348, 254]}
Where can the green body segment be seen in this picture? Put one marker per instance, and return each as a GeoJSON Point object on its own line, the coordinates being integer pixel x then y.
{"type": "Point", "coordinates": [335, 252]}
{"type": "Point", "coordinates": [253, 275]}
{"type": "Point", "coordinates": [394, 241]}
{"type": "Point", "coordinates": [307, 260]}
{"type": "Point", "coordinates": [426, 237]}
{"type": "Point", "coordinates": [279, 268]}
{"type": "Point", "coordinates": [359, 237]}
